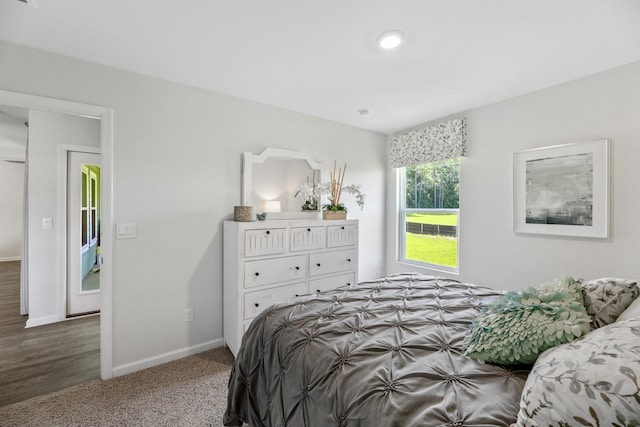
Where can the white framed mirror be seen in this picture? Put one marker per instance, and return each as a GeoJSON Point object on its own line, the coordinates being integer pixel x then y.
{"type": "Point", "coordinates": [271, 179]}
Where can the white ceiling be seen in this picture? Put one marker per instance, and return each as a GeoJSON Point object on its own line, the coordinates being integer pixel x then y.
{"type": "Point", "coordinates": [319, 57]}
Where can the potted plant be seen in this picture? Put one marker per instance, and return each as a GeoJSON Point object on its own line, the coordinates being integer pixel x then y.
{"type": "Point", "coordinates": [334, 209]}
{"type": "Point", "coordinates": [310, 192]}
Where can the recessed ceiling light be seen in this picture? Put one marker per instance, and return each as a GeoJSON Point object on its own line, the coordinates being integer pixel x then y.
{"type": "Point", "coordinates": [390, 39]}
{"type": "Point", "coordinates": [364, 112]}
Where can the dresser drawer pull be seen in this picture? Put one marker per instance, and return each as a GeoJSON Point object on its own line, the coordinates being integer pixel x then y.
{"type": "Point", "coordinates": [268, 232]}
{"type": "Point", "coordinates": [318, 290]}
{"type": "Point", "coordinates": [297, 295]}
{"type": "Point", "coordinates": [318, 264]}
{"type": "Point", "coordinates": [342, 227]}
{"type": "Point", "coordinates": [309, 230]}
{"type": "Point", "coordinates": [348, 259]}
{"type": "Point", "coordinates": [257, 305]}
{"type": "Point", "coordinates": [257, 274]}
{"type": "Point", "coordinates": [297, 268]}
{"type": "Point", "coordinates": [348, 284]}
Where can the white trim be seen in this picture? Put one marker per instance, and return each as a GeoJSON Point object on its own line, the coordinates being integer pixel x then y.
{"type": "Point", "coordinates": [28, 101]}
{"type": "Point", "coordinates": [394, 264]}
{"type": "Point", "coordinates": [40, 321]}
{"type": "Point", "coordinates": [106, 144]}
{"type": "Point", "coordinates": [47, 320]}
{"type": "Point", "coordinates": [169, 356]}
{"type": "Point", "coordinates": [72, 284]}
{"type": "Point", "coordinates": [11, 258]}
{"type": "Point", "coordinates": [61, 263]}
{"type": "Point", "coordinates": [93, 228]}
{"type": "Point", "coordinates": [106, 245]}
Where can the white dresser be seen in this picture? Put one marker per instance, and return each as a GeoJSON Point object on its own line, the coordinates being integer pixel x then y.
{"type": "Point", "coordinates": [275, 260]}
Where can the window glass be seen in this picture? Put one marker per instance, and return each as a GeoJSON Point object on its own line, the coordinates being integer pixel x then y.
{"type": "Point", "coordinates": [85, 221]}
{"type": "Point", "coordinates": [430, 212]}
{"type": "Point", "coordinates": [85, 177]}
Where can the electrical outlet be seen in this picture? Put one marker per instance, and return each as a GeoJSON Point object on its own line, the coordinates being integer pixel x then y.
{"type": "Point", "coordinates": [188, 314]}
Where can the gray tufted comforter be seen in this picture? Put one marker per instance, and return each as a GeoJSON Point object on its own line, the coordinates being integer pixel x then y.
{"type": "Point", "coordinates": [381, 353]}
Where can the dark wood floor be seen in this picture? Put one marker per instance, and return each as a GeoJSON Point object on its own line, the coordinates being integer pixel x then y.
{"type": "Point", "coordinates": [43, 359]}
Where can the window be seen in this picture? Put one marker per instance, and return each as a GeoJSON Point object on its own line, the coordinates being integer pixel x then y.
{"type": "Point", "coordinates": [93, 205]}
{"type": "Point", "coordinates": [89, 206]}
{"type": "Point", "coordinates": [426, 196]}
{"type": "Point", "coordinates": [84, 208]}
{"type": "Point", "coordinates": [429, 212]}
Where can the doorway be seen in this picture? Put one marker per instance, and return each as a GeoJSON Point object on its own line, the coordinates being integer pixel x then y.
{"type": "Point", "coordinates": [105, 116]}
{"type": "Point", "coordinates": [83, 229]}
{"type": "Point", "coordinates": [68, 352]}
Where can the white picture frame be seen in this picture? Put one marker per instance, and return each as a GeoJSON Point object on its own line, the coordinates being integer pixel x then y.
{"type": "Point", "coordinates": [563, 190]}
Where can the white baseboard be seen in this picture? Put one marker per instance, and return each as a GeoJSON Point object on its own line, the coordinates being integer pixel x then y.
{"type": "Point", "coordinates": [39, 321]}
{"type": "Point", "coordinates": [11, 258]}
{"type": "Point", "coordinates": [170, 356]}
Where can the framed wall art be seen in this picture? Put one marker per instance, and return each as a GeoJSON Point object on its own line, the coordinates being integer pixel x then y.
{"type": "Point", "coordinates": [563, 190]}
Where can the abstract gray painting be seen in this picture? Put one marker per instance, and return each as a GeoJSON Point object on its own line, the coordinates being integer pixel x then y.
{"type": "Point", "coordinates": [559, 190]}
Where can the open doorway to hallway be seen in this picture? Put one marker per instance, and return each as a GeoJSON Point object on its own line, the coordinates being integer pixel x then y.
{"type": "Point", "coordinates": [105, 145]}
{"type": "Point", "coordinates": [47, 357]}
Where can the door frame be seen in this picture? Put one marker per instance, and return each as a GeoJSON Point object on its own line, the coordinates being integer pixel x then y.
{"type": "Point", "coordinates": [73, 258]}
{"type": "Point", "coordinates": [105, 115]}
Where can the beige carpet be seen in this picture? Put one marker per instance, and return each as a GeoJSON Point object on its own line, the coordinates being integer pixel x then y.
{"type": "Point", "coordinates": [187, 392]}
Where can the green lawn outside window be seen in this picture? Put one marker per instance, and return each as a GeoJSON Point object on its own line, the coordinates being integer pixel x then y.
{"type": "Point", "coordinates": [431, 249]}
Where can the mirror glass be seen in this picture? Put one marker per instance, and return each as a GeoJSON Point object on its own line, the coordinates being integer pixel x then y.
{"type": "Point", "coordinates": [272, 179]}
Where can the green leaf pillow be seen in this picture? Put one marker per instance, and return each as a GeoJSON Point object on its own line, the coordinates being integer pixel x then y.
{"type": "Point", "coordinates": [522, 324]}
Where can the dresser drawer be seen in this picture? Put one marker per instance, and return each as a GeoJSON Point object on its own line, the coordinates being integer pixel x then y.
{"type": "Point", "coordinates": [255, 302]}
{"type": "Point", "coordinates": [341, 235]}
{"type": "Point", "coordinates": [328, 283]}
{"type": "Point", "coordinates": [266, 271]}
{"type": "Point", "coordinates": [330, 262]}
{"type": "Point", "coordinates": [305, 238]}
{"type": "Point", "coordinates": [267, 241]}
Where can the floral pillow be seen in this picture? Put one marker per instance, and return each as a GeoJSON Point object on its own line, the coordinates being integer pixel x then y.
{"type": "Point", "coordinates": [522, 324]}
{"type": "Point", "coordinates": [631, 312]}
{"type": "Point", "coordinates": [605, 299]}
{"type": "Point", "coordinates": [592, 381]}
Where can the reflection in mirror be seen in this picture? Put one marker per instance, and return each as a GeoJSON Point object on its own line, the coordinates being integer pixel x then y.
{"type": "Point", "coordinates": [272, 179]}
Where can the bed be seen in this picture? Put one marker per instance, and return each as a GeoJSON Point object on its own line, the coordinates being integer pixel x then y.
{"type": "Point", "coordinates": [391, 352]}
{"type": "Point", "coordinates": [381, 353]}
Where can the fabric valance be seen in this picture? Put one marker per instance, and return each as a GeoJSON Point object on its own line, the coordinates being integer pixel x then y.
{"type": "Point", "coordinates": [441, 141]}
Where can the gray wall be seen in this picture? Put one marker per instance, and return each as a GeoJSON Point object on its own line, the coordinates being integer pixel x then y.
{"type": "Point", "coordinates": [11, 202]}
{"type": "Point", "coordinates": [604, 105]}
{"type": "Point", "coordinates": [13, 138]}
{"type": "Point", "coordinates": [176, 174]}
{"type": "Point", "coordinates": [49, 133]}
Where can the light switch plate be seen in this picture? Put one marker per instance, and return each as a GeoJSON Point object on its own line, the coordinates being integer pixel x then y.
{"type": "Point", "coordinates": [126, 230]}
{"type": "Point", "coordinates": [47, 223]}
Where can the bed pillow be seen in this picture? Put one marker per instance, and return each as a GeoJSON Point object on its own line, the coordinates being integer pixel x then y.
{"type": "Point", "coordinates": [592, 381]}
{"type": "Point", "coordinates": [522, 324]}
{"type": "Point", "coordinates": [605, 299]}
{"type": "Point", "coordinates": [631, 312]}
